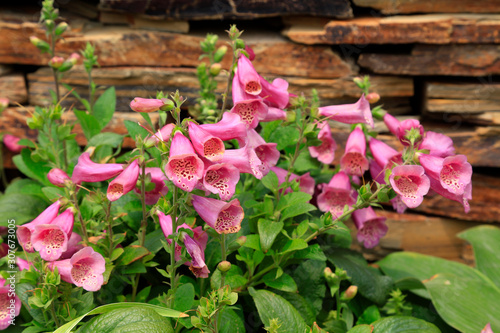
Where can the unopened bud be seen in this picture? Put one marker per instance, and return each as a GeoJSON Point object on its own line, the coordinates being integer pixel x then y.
{"type": "Point", "coordinates": [372, 98]}
{"type": "Point", "coordinates": [40, 44]}
{"type": "Point", "coordinates": [290, 117]}
{"type": "Point", "coordinates": [66, 66]}
{"type": "Point", "coordinates": [56, 62]}
{"type": "Point", "coordinates": [61, 28]}
{"type": "Point", "coordinates": [240, 44]}
{"type": "Point", "coordinates": [234, 32]}
{"type": "Point", "coordinates": [50, 25]}
{"type": "Point", "coordinates": [250, 52]}
{"type": "Point", "coordinates": [224, 266]}
{"type": "Point", "coordinates": [215, 69]}
{"type": "Point", "coordinates": [74, 57]}
{"type": "Point", "coordinates": [359, 82]}
{"type": "Point", "coordinates": [4, 102]}
{"type": "Point", "coordinates": [350, 293]}
{"type": "Point", "coordinates": [58, 177]}
{"type": "Point", "coordinates": [168, 104]}
{"type": "Point", "coordinates": [11, 142]}
{"type": "Point", "coordinates": [220, 53]}
{"type": "Point", "coordinates": [139, 104]}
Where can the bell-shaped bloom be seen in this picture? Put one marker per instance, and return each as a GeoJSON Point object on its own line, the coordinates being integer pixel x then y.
{"type": "Point", "coordinates": [409, 131]}
{"type": "Point", "coordinates": [244, 159]}
{"type": "Point", "coordinates": [88, 171]}
{"type": "Point", "coordinates": [221, 179]}
{"type": "Point", "coordinates": [392, 123]}
{"type": "Point", "coordinates": [58, 177]}
{"type": "Point", "coordinates": [162, 135]}
{"type": "Point", "coordinates": [370, 226]}
{"type": "Point", "coordinates": [354, 161]}
{"type": "Point", "coordinates": [378, 173]}
{"type": "Point", "coordinates": [460, 198]}
{"type": "Point", "coordinates": [276, 93]}
{"type": "Point", "coordinates": [50, 241]}
{"type": "Point", "coordinates": [24, 231]}
{"type": "Point", "coordinates": [250, 109]}
{"type": "Point", "coordinates": [10, 141]}
{"type": "Point", "coordinates": [336, 195]}
{"type": "Point", "coordinates": [453, 172]}
{"type": "Point", "coordinates": [384, 155]}
{"type": "Point", "coordinates": [197, 264]}
{"type": "Point", "coordinates": [487, 329]}
{"type": "Point", "coordinates": [306, 182]}
{"type": "Point", "coordinates": [74, 245]}
{"type": "Point", "coordinates": [146, 104]}
{"type": "Point", "coordinates": [325, 152]}
{"type": "Point", "coordinates": [247, 77]}
{"type": "Point", "coordinates": [230, 127]}
{"type": "Point", "coordinates": [87, 268]}
{"type": "Point", "coordinates": [274, 114]}
{"type": "Point", "coordinates": [158, 178]}
{"type": "Point", "coordinates": [438, 144]}
{"type": "Point", "coordinates": [358, 112]}
{"type": "Point", "coordinates": [411, 183]}
{"type": "Point", "coordinates": [224, 217]}
{"type": "Point", "coordinates": [125, 182]}
{"type": "Point", "coordinates": [205, 144]}
{"type": "Point", "coordinates": [63, 267]}
{"type": "Point", "coordinates": [10, 305]}
{"type": "Point", "coordinates": [184, 167]}
{"type": "Point", "coordinates": [266, 152]}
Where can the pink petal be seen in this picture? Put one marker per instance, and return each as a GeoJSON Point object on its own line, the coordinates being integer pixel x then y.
{"type": "Point", "coordinates": [370, 226]}
{"type": "Point", "coordinates": [50, 241]}
{"type": "Point", "coordinates": [10, 142]}
{"type": "Point", "coordinates": [146, 104]}
{"type": "Point", "coordinates": [125, 182]}
{"type": "Point", "coordinates": [221, 179]}
{"type": "Point", "coordinates": [411, 183]}
{"type": "Point", "coordinates": [247, 76]}
{"type": "Point", "coordinates": [325, 153]}
{"type": "Point", "coordinates": [224, 217]}
{"type": "Point", "coordinates": [358, 112]}
{"type": "Point", "coordinates": [88, 269]}
{"type": "Point", "coordinates": [205, 144]}
{"type": "Point", "coordinates": [88, 171]}
{"type": "Point", "coordinates": [438, 144]}
{"type": "Point", "coordinates": [230, 127]}
{"type": "Point", "coordinates": [244, 159]}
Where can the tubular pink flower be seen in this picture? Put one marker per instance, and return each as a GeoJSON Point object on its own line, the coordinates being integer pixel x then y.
{"type": "Point", "coordinates": [250, 109]}
{"type": "Point", "coordinates": [453, 172]}
{"type": "Point", "coordinates": [197, 264]}
{"type": "Point", "coordinates": [224, 217]}
{"type": "Point", "coordinates": [65, 220]}
{"type": "Point", "coordinates": [184, 167]}
{"type": "Point", "coordinates": [74, 245]}
{"type": "Point", "coordinates": [251, 53]}
{"type": "Point", "coordinates": [378, 174]}
{"type": "Point", "coordinates": [410, 182]}
{"type": "Point", "coordinates": [87, 269]}
{"type": "Point", "coordinates": [88, 171]}
{"type": "Point", "coordinates": [460, 198]}
{"type": "Point", "coordinates": [274, 114]}
{"type": "Point", "coordinates": [146, 104]}
{"type": "Point", "coordinates": [221, 179]}
{"type": "Point", "coordinates": [275, 93]}
{"type": "Point", "coordinates": [384, 155]}
{"type": "Point", "coordinates": [63, 267]}
{"type": "Point", "coordinates": [50, 241]}
{"type": "Point", "coordinates": [266, 152]}
{"type": "Point", "coordinates": [358, 112]}
{"type": "Point", "coordinates": [10, 305]}
{"type": "Point", "coordinates": [162, 135]}
{"type": "Point", "coordinates": [230, 127]}
{"type": "Point", "coordinates": [205, 144]}
{"type": "Point", "coordinates": [325, 152]}
{"type": "Point", "coordinates": [354, 161]}
{"type": "Point", "coordinates": [410, 130]}
{"type": "Point", "coordinates": [392, 123]}
{"type": "Point", "coordinates": [158, 178]}
{"type": "Point", "coordinates": [58, 177]}
{"type": "Point", "coordinates": [10, 142]}
{"type": "Point", "coordinates": [370, 227]}
{"type": "Point", "coordinates": [336, 195]}
{"type": "Point", "coordinates": [438, 144]}
{"type": "Point", "coordinates": [125, 182]}
{"type": "Point", "coordinates": [306, 182]}
{"type": "Point", "coordinates": [247, 76]}
{"type": "Point", "coordinates": [24, 231]}
{"type": "Point", "coordinates": [244, 159]}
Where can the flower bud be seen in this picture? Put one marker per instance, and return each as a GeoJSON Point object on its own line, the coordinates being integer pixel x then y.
{"type": "Point", "coordinates": [74, 57]}
{"type": "Point", "coordinates": [224, 266]}
{"type": "Point", "coordinates": [40, 44]}
{"type": "Point", "coordinates": [50, 24]}
{"type": "Point", "coordinates": [215, 69]}
{"type": "Point", "coordinates": [241, 240]}
{"type": "Point", "coordinates": [10, 141]}
{"type": "Point", "coordinates": [250, 52]}
{"type": "Point", "coordinates": [146, 104]}
{"type": "Point", "coordinates": [359, 82]}
{"type": "Point", "coordinates": [66, 66]}
{"type": "Point", "coordinates": [4, 102]}
{"type": "Point", "coordinates": [240, 44]}
{"type": "Point", "coordinates": [61, 28]}
{"type": "Point", "coordinates": [220, 53]}
{"type": "Point", "coordinates": [350, 293]}
{"type": "Point", "coordinates": [58, 177]}
{"type": "Point", "coordinates": [168, 104]}
{"type": "Point", "coordinates": [56, 62]}
{"type": "Point", "coordinates": [372, 98]}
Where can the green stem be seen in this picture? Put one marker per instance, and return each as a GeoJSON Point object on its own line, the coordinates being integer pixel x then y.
{"type": "Point", "coordinates": [110, 229]}
{"type": "Point", "coordinates": [91, 94]}
{"type": "Point", "coordinates": [53, 313]}
{"type": "Point", "coordinates": [173, 281]}
{"type": "Point", "coordinates": [80, 218]}
{"type": "Point", "coordinates": [337, 299]}
{"type": "Point", "coordinates": [223, 251]}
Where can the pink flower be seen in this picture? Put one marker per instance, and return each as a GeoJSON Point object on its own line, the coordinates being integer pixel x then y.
{"type": "Point", "coordinates": [438, 144]}
{"type": "Point", "coordinates": [87, 268]}
{"type": "Point", "coordinates": [325, 152]}
{"type": "Point", "coordinates": [88, 171]}
{"type": "Point", "coordinates": [250, 109]}
{"type": "Point", "coordinates": [221, 179]}
{"type": "Point", "coordinates": [247, 76]}
{"type": "Point", "coordinates": [74, 245]}
{"type": "Point", "coordinates": [205, 144]}
{"type": "Point", "coordinates": [487, 329]}
{"type": "Point", "coordinates": [358, 112]}
{"type": "Point", "coordinates": [24, 231]}
{"type": "Point", "coordinates": [392, 123]}
{"type": "Point", "coordinates": [162, 135]}
{"type": "Point", "coordinates": [230, 127]}
{"type": "Point", "coordinates": [410, 182]}
{"type": "Point", "coordinates": [244, 159]}
{"type": "Point", "coordinates": [384, 155]}
{"type": "Point", "coordinates": [370, 226]}
{"type": "Point", "coordinates": [10, 304]}
{"type": "Point", "coordinates": [146, 104]}
{"type": "Point", "coordinates": [10, 141]}
{"type": "Point", "coordinates": [158, 178]}
{"type": "Point", "coordinates": [378, 173]}
{"type": "Point", "coordinates": [224, 217]}
{"type": "Point", "coordinates": [58, 177]}
{"type": "Point", "coordinates": [266, 152]}
{"type": "Point", "coordinates": [460, 198]}
{"type": "Point", "coordinates": [51, 240]}
{"type": "Point", "coordinates": [453, 172]}
{"type": "Point", "coordinates": [306, 182]}
{"type": "Point", "coordinates": [336, 195]}
{"type": "Point", "coordinates": [410, 131]}
{"type": "Point", "coordinates": [275, 93]}
{"type": "Point", "coordinates": [251, 53]}
{"type": "Point", "coordinates": [125, 182]}
{"type": "Point", "coordinates": [274, 114]}
{"type": "Point", "coordinates": [184, 167]}
{"type": "Point", "coordinates": [197, 264]}
{"type": "Point", "coordinates": [354, 161]}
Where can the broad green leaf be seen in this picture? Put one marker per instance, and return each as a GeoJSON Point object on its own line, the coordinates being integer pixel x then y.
{"type": "Point", "coordinates": [268, 230]}
{"type": "Point", "coordinates": [292, 199]}
{"type": "Point", "coordinates": [310, 282]}
{"type": "Point", "coordinates": [361, 329]}
{"type": "Point", "coordinates": [90, 125]}
{"type": "Point", "coordinates": [306, 163]}
{"type": "Point", "coordinates": [136, 267]}
{"type": "Point", "coordinates": [311, 252]}
{"type": "Point", "coordinates": [465, 303]}
{"type": "Point", "coordinates": [53, 193]}
{"type": "Point", "coordinates": [285, 282]}
{"type": "Point", "coordinates": [132, 253]}
{"type": "Point", "coordinates": [371, 283]}
{"type": "Point", "coordinates": [106, 139]}
{"type": "Point", "coordinates": [294, 245]}
{"type": "Point", "coordinates": [402, 265]}
{"type": "Point", "coordinates": [402, 324]}
{"type": "Point", "coordinates": [271, 306]}
{"type": "Point", "coordinates": [296, 210]}
{"type": "Point", "coordinates": [234, 278]}
{"type": "Point", "coordinates": [370, 315]}
{"type": "Point", "coordinates": [134, 130]}
{"type": "Point", "coordinates": [32, 169]}
{"type": "Point", "coordinates": [85, 303]}
{"type": "Point", "coordinates": [104, 107]}
{"type": "Point", "coordinates": [485, 241]}
{"type": "Point", "coordinates": [162, 311]}
{"type": "Point", "coordinates": [253, 242]}
{"type": "Point", "coordinates": [25, 186]}
{"type": "Point", "coordinates": [231, 322]}
{"type": "Point", "coordinates": [20, 207]}
{"type": "Point", "coordinates": [22, 291]}
{"type": "Point", "coordinates": [341, 235]}
{"type": "Point", "coordinates": [153, 241]}
{"type": "Point", "coordinates": [270, 181]}
{"type": "Point", "coordinates": [268, 128]}
{"type": "Point", "coordinates": [184, 297]}
{"type": "Point", "coordinates": [284, 136]}
{"type": "Point", "coordinates": [300, 304]}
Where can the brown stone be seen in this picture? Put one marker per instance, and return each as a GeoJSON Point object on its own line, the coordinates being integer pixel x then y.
{"type": "Point", "coordinates": [437, 6]}
{"type": "Point", "coordinates": [13, 87]}
{"type": "Point", "coordinates": [429, 29]}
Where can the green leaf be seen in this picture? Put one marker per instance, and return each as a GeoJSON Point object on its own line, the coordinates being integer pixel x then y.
{"type": "Point", "coordinates": [485, 240]}
{"type": "Point", "coordinates": [371, 283]}
{"type": "Point", "coordinates": [301, 305]}
{"type": "Point", "coordinates": [294, 245]}
{"type": "Point", "coordinates": [231, 322]}
{"type": "Point", "coordinates": [292, 199]}
{"type": "Point", "coordinates": [465, 303]}
{"type": "Point", "coordinates": [106, 139]}
{"type": "Point", "coordinates": [402, 324]}
{"type": "Point", "coordinates": [21, 208]}
{"type": "Point", "coordinates": [184, 297]}
{"type": "Point", "coordinates": [22, 291]}
{"type": "Point", "coordinates": [85, 303]}
{"type": "Point", "coordinates": [90, 125]}
{"type": "Point", "coordinates": [270, 181]}
{"type": "Point", "coordinates": [271, 306]}
{"type": "Point", "coordinates": [361, 329]}
{"type": "Point", "coordinates": [306, 163]}
{"type": "Point", "coordinates": [234, 278]}
{"type": "Point", "coordinates": [284, 136]}
{"type": "Point", "coordinates": [311, 252]}
{"type": "Point", "coordinates": [53, 193]}
{"type": "Point", "coordinates": [268, 230]}
{"type": "Point", "coordinates": [285, 282]}
{"type": "Point", "coordinates": [104, 107]}
{"type": "Point", "coordinates": [25, 186]}
{"type": "Point", "coordinates": [253, 242]}
{"type": "Point", "coordinates": [116, 253]}
{"type": "Point", "coordinates": [162, 311]}
{"type": "Point", "coordinates": [311, 284]}
{"type": "Point", "coordinates": [135, 130]}
{"type": "Point", "coordinates": [132, 253]}
{"type": "Point", "coordinates": [32, 169]}
{"type": "Point", "coordinates": [370, 315]}
{"type": "Point", "coordinates": [298, 209]}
